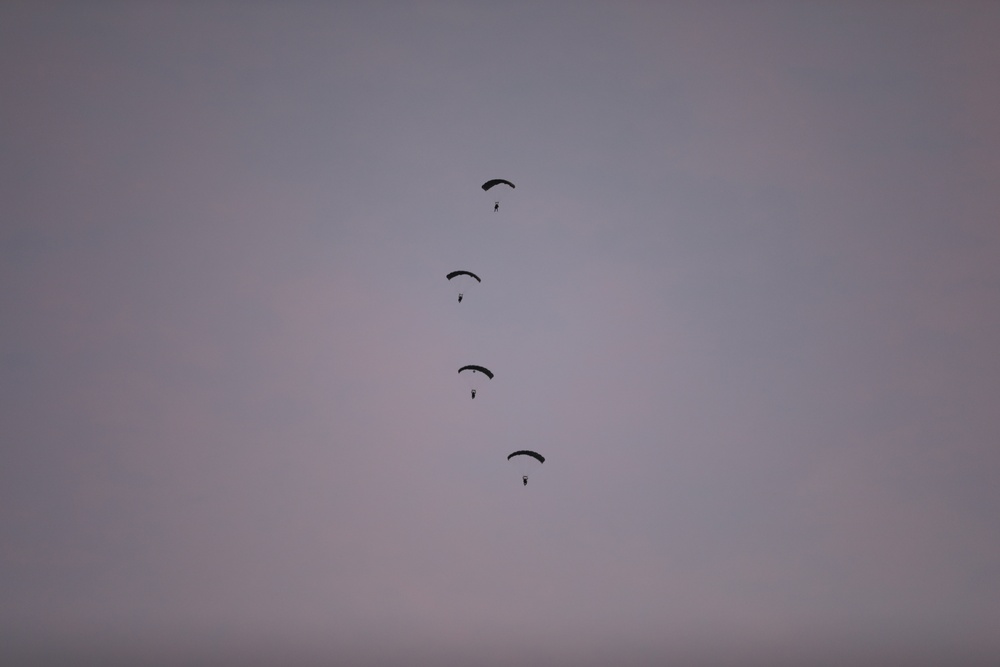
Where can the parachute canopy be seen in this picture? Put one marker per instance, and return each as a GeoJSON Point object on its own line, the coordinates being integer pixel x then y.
{"type": "Point", "coordinates": [479, 369]}
{"type": "Point", "coordinates": [496, 181]}
{"type": "Point", "coordinates": [464, 273]}
{"type": "Point", "coordinates": [525, 452]}
{"type": "Point", "coordinates": [525, 461]}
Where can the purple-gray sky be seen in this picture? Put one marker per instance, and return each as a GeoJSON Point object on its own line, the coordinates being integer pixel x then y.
{"type": "Point", "coordinates": [745, 299]}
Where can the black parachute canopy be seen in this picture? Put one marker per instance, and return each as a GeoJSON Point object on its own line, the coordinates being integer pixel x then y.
{"type": "Point", "coordinates": [464, 273]}
{"type": "Point", "coordinates": [496, 181]}
{"type": "Point", "coordinates": [481, 369]}
{"type": "Point", "coordinates": [525, 452]}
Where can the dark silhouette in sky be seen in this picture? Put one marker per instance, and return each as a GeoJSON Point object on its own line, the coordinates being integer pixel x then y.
{"type": "Point", "coordinates": [492, 183]}
{"type": "Point", "coordinates": [474, 371]}
{"type": "Point", "coordinates": [496, 181]}
{"type": "Point", "coordinates": [460, 274]}
{"type": "Point", "coordinates": [525, 460]}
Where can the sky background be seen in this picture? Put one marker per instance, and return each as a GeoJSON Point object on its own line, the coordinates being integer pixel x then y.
{"type": "Point", "coordinates": [745, 299]}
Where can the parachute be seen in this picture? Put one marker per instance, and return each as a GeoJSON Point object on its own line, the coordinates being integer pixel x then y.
{"type": "Point", "coordinates": [473, 376]}
{"type": "Point", "coordinates": [461, 280]}
{"type": "Point", "coordinates": [477, 369]}
{"type": "Point", "coordinates": [525, 461]}
{"type": "Point", "coordinates": [496, 181]}
{"type": "Point", "coordinates": [464, 273]}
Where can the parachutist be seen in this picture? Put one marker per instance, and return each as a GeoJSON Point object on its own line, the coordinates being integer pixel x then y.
{"type": "Point", "coordinates": [474, 376]}
{"type": "Point", "coordinates": [524, 458]}
{"type": "Point", "coordinates": [496, 206]}
{"type": "Point", "coordinates": [466, 278]}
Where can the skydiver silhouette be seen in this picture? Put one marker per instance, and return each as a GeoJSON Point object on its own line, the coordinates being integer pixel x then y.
{"type": "Point", "coordinates": [473, 393]}
{"type": "Point", "coordinates": [460, 297]}
{"type": "Point", "coordinates": [496, 206]}
{"type": "Point", "coordinates": [525, 478]}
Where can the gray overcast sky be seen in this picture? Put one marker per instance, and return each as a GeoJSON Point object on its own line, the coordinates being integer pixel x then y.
{"type": "Point", "coordinates": [744, 298]}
